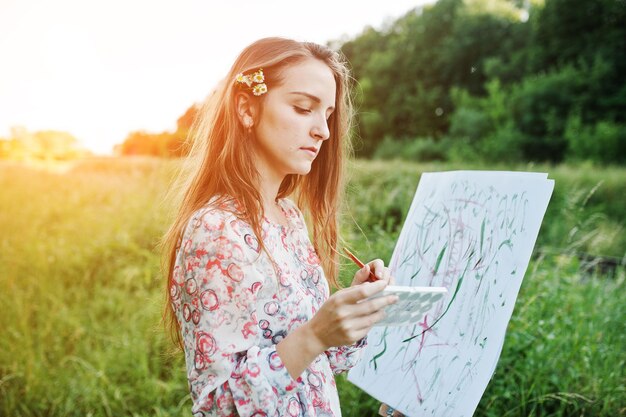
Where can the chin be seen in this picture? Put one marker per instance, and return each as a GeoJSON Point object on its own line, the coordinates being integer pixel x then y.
{"type": "Point", "coordinates": [302, 169]}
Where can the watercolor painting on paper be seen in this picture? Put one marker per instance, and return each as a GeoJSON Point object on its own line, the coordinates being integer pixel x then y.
{"type": "Point", "coordinates": [473, 233]}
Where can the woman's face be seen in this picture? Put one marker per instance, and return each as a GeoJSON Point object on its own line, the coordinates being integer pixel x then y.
{"type": "Point", "coordinates": [294, 120]}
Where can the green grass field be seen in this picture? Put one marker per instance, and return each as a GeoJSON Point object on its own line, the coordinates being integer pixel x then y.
{"type": "Point", "coordinates": [82, 296]}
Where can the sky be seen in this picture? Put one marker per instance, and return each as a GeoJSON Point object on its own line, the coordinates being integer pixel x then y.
{"type": "Point", "coordinates": [102, 69]}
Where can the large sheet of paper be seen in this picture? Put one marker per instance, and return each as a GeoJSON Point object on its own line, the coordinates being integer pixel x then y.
{"type": "Point", "coordinates": [473, 233]}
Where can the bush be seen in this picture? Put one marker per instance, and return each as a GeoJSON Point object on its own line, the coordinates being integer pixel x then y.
{"type": "Point", "coordinates": [420, 149]}
{"type": "Point", "coordinates": [603, 142]}
{"type": "Point", "coordinates": [470, 123]}
{"type": "Point", "coordinates": [482, 129]}
{"type": "Point", "coordinates": [540, 105]}
{"type": "Point", "coordinates": [462, 150]}
{"type": "Point", "coordinates": [501, 145]}
{"type": "Point", "coordinates": [505, 144]}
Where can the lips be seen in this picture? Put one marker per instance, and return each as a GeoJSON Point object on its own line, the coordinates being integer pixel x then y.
{"type": "Point", "coordinates": [310, 148]}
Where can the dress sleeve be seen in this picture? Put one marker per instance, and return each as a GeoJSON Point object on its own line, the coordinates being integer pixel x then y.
{"type": "Point", "coordinates": [342, 358]}
{"type": "Point", "coordinates": [215, 289]}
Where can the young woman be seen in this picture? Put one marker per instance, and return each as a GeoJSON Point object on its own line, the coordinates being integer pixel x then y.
{"type": "Point", "coordinates": [248, 291]}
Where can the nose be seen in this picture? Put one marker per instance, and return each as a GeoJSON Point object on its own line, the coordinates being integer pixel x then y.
{"type": "Point", "coordinates": [320, 130]}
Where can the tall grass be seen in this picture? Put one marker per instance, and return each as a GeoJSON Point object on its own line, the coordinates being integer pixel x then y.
{"type": "Point", "coordinates": [82, 294]}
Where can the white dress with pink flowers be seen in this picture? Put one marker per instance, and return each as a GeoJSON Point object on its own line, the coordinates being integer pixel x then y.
{"type": "Point", "coordinates": [234, 306]}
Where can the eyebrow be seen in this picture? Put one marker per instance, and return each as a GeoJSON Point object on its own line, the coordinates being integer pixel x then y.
{"type": "Point", "coordinates": [312, 97]}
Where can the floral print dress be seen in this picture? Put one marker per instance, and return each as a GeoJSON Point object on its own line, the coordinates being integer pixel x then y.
{"type": "Point", "coordinates": [234, 306]}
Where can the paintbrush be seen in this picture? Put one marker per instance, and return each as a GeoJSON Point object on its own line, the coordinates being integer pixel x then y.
{"type": "Point", "coordinates": [356, 260]}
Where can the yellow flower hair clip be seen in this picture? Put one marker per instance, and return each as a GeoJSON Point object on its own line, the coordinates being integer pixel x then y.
{"type": "Point", "coordinates": [257, 78]}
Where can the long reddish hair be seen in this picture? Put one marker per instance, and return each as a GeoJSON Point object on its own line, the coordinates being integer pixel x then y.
{"type": "Point", "coordinates": [219, 163]}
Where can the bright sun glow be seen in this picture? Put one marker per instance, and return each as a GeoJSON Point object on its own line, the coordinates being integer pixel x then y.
{"type": "Point", "coordinates": [99, 70]}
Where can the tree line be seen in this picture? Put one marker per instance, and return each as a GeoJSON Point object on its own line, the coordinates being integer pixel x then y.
{"type": "Point", "coordinates": [492, 80]}
{"type": "Point", "coordinates": [43, 145]}
{"type": "Point", "coordinates": [479, 80]}
{"type": "Point", "coordinates": [495, 80]}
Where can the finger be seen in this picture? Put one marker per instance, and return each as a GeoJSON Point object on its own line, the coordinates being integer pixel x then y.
{"type": "Point", "coordinates": [366, 322]}
{"type": "Point", "coordinates": [392, 280]}
{"type": "Point", "coordinates": [356, 293]}
{"type": "Point", "coordinates": [371, 306]}
{"type": "Point", "coordinates": [362, 275]}
{"type": "Point", "coordinates": [377, 266]}
{"type": "Point", "coordinates": [387, 275]}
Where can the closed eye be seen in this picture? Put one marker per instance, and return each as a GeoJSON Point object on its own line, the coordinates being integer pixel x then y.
{"type": "Point", "coordinates": [301, 110]}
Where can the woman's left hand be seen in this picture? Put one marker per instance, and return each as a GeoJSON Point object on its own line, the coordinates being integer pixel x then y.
{"type": "Point", "coordinates": [377, 266]}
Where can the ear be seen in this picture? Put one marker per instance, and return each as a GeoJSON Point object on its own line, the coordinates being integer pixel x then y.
{"type": "Point", "coordinates": [245, 109]}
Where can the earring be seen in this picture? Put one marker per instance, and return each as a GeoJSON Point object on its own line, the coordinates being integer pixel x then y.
{"type": "Point", "coordinates": [247, 122]}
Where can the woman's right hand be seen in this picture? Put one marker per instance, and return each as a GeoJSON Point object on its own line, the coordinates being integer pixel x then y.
{"type": "Point", "coordinates": [344, 318]}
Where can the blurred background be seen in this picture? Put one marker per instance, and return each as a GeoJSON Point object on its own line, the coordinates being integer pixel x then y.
{"type": "Point", "coordinates": [96, 103]}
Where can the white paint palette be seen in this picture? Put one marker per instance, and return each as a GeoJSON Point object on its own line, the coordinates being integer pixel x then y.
{"type": "Point", "coordinates": [412, 305]}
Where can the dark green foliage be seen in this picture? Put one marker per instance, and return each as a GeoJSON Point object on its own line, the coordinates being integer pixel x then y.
{"type": "Point", "coordinates": [419, 149]}
{"type": "Point", "coordinates": [552, 63]}
{"type": "Point", "coordinates": [604, 142]}
{"type": "Point", "coordinates": [539, 108]}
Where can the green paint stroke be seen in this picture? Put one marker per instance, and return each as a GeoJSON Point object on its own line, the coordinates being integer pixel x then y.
{"type": "Point", "coordinates": [382, 352]}
{"type": "Point", "coordinates": [407, 259]}
{"type": "Point", "coordinates": [506, 243]}
{"type": "Point", "coordinates": [483, 343]}
{"type": "Point", "coordinates": [439, 258]}
{"type": "Point", "coordinates": [415, 274]}
{"type": "Point", "coordinates": [482, 235]}
{"type": "Point", "coordinates": [456, 291]}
